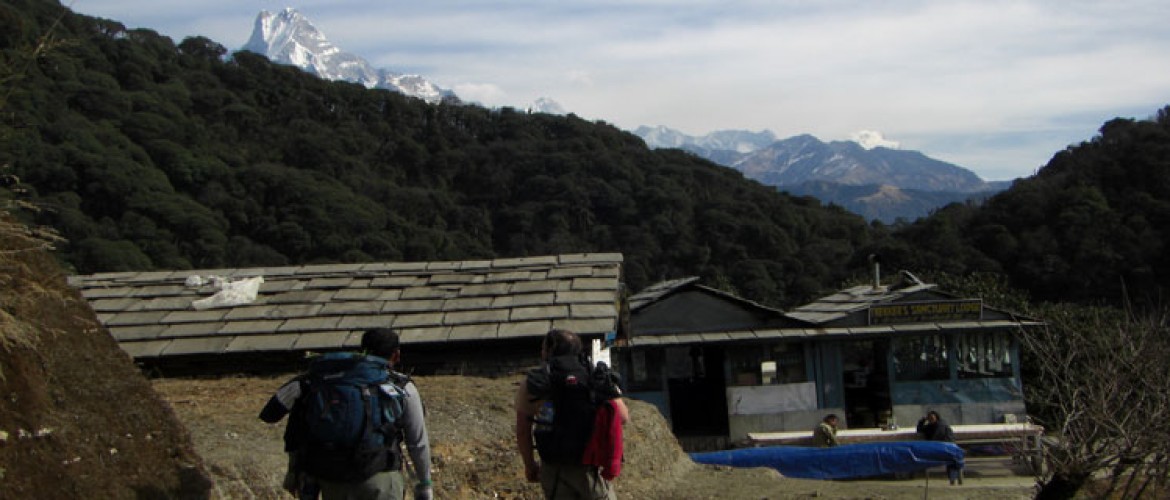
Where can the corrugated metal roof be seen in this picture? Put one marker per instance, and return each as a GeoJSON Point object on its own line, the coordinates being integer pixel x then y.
{"type": "Point", "coordinates": [818, 319]}
{"type": "Point", "coordinates": [151, 315]}
{"type": "Point", "coordinates": [850, 300]}
{"type": "Point", "coordinates": [663, 289]}
{"type": "Point", "coordinates": [776, 333]}
{"type": "Point", "coordinates": [658, 290]}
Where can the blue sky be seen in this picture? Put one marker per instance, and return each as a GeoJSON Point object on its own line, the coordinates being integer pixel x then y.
{"type": "Point", "coordinates": [995, 86]}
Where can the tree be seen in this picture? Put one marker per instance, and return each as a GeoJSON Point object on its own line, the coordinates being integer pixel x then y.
{"type": "Point", "coordinates": [16, 60]}
{"type": "Point", "coordinates": [1101, 392]}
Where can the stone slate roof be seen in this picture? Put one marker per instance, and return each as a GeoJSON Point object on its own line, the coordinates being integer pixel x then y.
{"type": "Point", "coordinates": [323, 307]}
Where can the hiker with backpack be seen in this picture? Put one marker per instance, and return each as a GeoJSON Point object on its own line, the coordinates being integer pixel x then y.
{"type": "Point", "coordinates": [574, 412]}
{"type": "Point", "coordinates": [348, 415]}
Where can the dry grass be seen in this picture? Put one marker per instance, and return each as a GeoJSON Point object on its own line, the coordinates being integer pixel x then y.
{"type": "Point", "coordinates": [16, 329]}
{"type": "Point", "coordinates": [16, 236]}
{"type": "Point", "coordinates": [19, 290]}
{"type": "Point", "coordinates": [20, 238]}
{"type": "Point", "coordinates": [14, 332]}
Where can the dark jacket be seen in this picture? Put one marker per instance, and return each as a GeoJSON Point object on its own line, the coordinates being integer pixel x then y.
{"type": "Point", "coordinates": [938, 431]}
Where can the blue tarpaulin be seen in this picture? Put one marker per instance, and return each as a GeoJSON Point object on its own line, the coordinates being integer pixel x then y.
{"type": "Point", "coordinates": [841, 462]}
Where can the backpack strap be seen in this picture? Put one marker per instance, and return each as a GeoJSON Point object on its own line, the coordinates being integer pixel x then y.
{"type": "Point", "coordinates": [539, 383]}
{"type": "Point", "coordinates": [400, 379]}
{"type": "Point", "coordinates": [368, 410]}
{"type": "Point", "coordinates": [393, 407]}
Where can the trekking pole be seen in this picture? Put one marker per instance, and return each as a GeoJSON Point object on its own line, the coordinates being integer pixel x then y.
{"type": "Point", "coordinates": [411, 478]}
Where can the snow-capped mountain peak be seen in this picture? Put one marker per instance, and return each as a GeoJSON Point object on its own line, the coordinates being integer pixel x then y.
{"type": "Point", "coordinates": [289, 38]}
{"type": "Point", "coordinates": [546, 105]}
{"type": "Point", "coordinates": [739, 141]}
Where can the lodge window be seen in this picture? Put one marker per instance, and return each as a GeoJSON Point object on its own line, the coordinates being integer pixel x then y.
{"type": "Point", "coordinates": [921, 358]}
{"type": "Point", "coordinates": [768, 364]}
{"type": "Point", "coordinates": [984, 355]}
{"type": "Point", "coordinates": [645, 370]}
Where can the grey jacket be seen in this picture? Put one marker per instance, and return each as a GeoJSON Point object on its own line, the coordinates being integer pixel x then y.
{"type": "Point", "coordinates": [414, 432]}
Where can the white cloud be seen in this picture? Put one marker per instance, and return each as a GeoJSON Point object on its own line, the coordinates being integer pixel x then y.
{"type": "Point", "coordinates": [486, 94]}
{"type": "Point", "coordinates": [580, 77]}
{"type": "Point", "coordinates": [870, 139]}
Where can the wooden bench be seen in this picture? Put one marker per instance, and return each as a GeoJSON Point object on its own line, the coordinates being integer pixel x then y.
{"type": "Point", "coordinates": [1023, 440]}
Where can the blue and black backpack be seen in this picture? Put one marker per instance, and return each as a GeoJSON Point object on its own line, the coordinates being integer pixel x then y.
{"type": "Point", "coordinates": [351, 412]}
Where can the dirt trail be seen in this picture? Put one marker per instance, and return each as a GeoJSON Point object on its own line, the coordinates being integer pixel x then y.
{"type": "Point", "coordinates": [470, 421]}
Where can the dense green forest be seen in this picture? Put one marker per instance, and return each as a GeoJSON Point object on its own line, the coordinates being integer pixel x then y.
{"type": "Point", "coordinates": [151, 155]}
{"type": "Point", "coordinates": [145, 154]}
{"type": "Point", "coordinates": [1093, 225]}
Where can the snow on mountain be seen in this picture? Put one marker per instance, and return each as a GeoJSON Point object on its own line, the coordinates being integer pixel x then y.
{"type": "Point", "coordinates": [870, 159]}
{"type": "Point", "coordinates": [546, 105]}
{"type": "Point", "coordinates": [289, 38]}
{"type": "Point", "coordinates": [870, 139]}
{"type": "Point", "coordinates": [738, 141]}
{"type": "Point", "coordinates": [804, 158]}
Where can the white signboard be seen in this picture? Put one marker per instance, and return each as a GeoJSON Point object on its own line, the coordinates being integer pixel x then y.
{"type": "Point", "coordinates": [769, 399]}
{"type": "Point", "coordinates": [600, 353]}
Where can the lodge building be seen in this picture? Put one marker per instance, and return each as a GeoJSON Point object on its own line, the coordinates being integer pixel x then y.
{"type": "Point", "coordinates": [717, 366]}
{"type": "Point", "coordinates": [721, 367]}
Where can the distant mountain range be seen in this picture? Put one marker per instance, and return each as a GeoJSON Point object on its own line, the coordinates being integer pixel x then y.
{"type": "Point", "coordinates": [877, 182]}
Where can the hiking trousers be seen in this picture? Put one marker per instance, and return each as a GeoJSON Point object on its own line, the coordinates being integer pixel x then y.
{"type": "Point", "coordinates": [574, 482]}
{"type": "Point", "coordinates": [388, 485]}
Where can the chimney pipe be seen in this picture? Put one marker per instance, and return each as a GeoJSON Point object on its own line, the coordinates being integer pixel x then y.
{"type": "Point", "coordinates": [877, 270]}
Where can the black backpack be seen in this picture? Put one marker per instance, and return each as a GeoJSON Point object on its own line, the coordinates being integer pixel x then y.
{"type": "Point", "coordinates": [572, 390]}
{"type": "Point", "coordinates": [350, 417]}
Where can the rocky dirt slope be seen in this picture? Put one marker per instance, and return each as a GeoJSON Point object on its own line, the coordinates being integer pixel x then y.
{"type": "Point", "coordinates": [77, 419]}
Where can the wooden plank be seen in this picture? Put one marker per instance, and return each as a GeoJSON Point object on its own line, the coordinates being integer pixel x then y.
{"type": "Point", "coordinates": [963, 433]}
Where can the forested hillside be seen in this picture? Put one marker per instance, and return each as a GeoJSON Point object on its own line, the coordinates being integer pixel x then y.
{"type": "Point", "coordinates": [1092, 225]}
{"type": "Point", "coordinates": [885, 203]}
{"type": "Point", "coordinates": [151, 155]}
